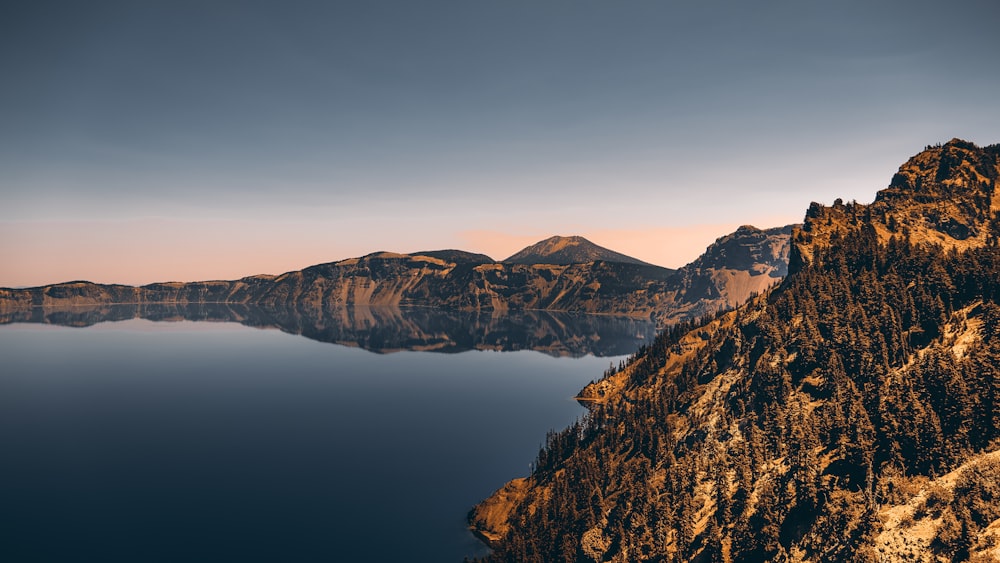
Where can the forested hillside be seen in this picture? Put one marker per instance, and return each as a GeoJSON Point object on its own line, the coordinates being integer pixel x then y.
{"type": "Point", "coordinates": [846, 415]}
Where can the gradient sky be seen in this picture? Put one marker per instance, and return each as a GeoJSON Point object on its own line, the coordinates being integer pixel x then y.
{"type": "Point", "coordinates": [151, 140]}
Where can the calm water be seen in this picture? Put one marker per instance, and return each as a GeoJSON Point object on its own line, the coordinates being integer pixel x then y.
{"type": "Point", "coordinates": [208, 441]}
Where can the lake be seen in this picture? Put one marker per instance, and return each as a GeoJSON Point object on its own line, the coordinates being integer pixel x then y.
{"type": "Point", "coordinates": [130, 439]}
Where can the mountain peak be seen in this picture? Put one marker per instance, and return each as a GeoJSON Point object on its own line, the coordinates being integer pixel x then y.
{"type": "Point", "coordinates": [751, 249]}
{"type": "Point", "coordinates": [962, 143]}
{"type": "Point", "coordinates": [946, 195]}
{"type": "Point", "coordinates": [746, 230]}
{"type": "Point", "coordinates": [940, 171]}
{"type": "Point", "coordinates": [569, 250]}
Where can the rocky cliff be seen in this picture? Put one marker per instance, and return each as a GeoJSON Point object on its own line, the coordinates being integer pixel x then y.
{"type": "Point", "coordinates": [736, 266]}
{"type": "Point", "coordinates": [851, 413]}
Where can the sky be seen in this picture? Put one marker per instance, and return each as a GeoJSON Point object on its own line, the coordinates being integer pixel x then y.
{"type": "Point", "coordinates": [149, 140]}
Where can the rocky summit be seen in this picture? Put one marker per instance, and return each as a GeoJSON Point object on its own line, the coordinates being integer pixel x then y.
{"type": "Point", "coordinates": [569, 250]}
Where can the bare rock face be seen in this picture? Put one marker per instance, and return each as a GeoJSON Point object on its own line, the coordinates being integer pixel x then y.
{"type": "Point", "coordinates": [734, 267]}
{"type": "Point", "coordinates": [756, 251]}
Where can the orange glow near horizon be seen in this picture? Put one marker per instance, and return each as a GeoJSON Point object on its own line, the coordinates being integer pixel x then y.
{"type": "Point", "coordinates": [141, 251]}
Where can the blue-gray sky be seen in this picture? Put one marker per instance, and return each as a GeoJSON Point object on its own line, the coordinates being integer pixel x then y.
{"type": "Point", "coordinates": [153, 140]}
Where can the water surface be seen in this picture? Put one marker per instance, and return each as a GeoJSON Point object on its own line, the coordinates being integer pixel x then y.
{"type": "Point", "coordinates": [195, 441]}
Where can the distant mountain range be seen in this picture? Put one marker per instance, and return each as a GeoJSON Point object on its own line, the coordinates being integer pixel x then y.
{"type": "Point", "coordinates": [556, 274]}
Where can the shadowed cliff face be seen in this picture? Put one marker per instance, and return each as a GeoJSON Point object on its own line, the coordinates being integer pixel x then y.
{"type": "Point", "coordinates": [747, 261]}
{"type": "Point", "coordinates": [388, 329]}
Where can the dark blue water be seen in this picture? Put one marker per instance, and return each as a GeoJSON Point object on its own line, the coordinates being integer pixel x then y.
{"type": "Point", "coordinates": [140, 441]}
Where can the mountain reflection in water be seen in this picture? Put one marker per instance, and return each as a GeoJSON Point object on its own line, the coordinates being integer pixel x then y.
{"type": "Point", "coordinates": [389, 329]}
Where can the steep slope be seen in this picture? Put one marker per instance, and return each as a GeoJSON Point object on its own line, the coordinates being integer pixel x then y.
{"type": "Point", "coordinates": [810, 423]}
{"type": "Point", "coordinates": [569, 250]}
{"type": "Point", "coordinates": [745, 262]}
{"type": "Point", "coordinates": [737, 265]}
{"type": "Point", "coordinates": [755, 251]}
{"type": "Point", "coordinates": [934, 516]}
